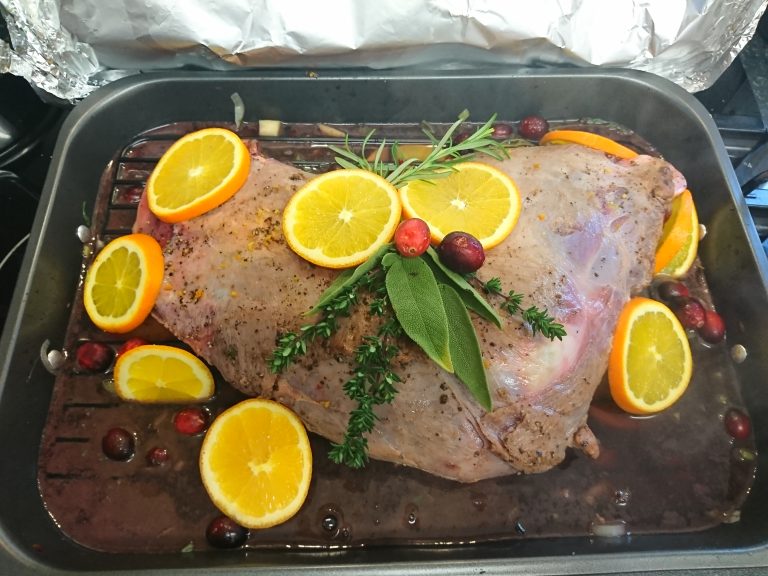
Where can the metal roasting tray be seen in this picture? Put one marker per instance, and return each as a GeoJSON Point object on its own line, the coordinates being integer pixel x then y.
{"type": "Point", "coordinates": [735, 265]}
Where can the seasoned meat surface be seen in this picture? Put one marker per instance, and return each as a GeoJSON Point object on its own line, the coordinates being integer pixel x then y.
{"type": "Point", "coordinates": [584, 244]}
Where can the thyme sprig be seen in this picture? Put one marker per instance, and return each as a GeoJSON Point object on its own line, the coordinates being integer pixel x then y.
{"type": "Point", "coordinates": [292, 345]}
{"type": "Point", "coordinates": [539, 320]}
{"type": "Point", "coordinates": [372, 384]}
{"type": "Point", "coordinates": [440, 162]}
{"type": "Point", "coordinates": [373, 381]}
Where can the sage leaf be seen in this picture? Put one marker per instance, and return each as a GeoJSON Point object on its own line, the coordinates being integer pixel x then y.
{"type": "Point", "coordinates": [416, 300]}
{"type": "Point", "coordinates": [387, 260]}
{"type": "Point", "coordinates": [348, 278]}
{"type": "Point", "coordinates": [472, 298]}
{"type": "Point", "coordinates": [465, 349]}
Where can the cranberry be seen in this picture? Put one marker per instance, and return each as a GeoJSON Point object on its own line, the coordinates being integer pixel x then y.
{"type": "Point", "coordinates": [460, 137]}
{"type": "Point", "coordinates": [412, 237]}
{"type": "Point", "coordinates": [713, 330]}
{"type": "Point", "coordinates": [533, 127]}
{"type": "Point", "coordinates": [669, 290]}
{"type": "Point", "coordinates": [737, 424]}
{"type": "Point", "coordinates": [461, 252]}
{"type": "Point", "coordinates": [130, 344]}
{"type": "Point", "coordinates": [690, 312]}
{"type": "Point", "coordinates": [118, 444]}
{"type": "Point", "coordinates": [94, 356]}
{"type": "Point", "coordinates": [502, 131]}
{"type": "Point", "coordinates": [191, 421]}
{"type": "Point", "coordinates": [157, 456]}
{"type": "Point", "coordinates": [223, 532]}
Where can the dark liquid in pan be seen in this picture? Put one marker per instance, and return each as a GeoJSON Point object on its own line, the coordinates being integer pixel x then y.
{"type": "Point", "coordinates": [676, 471]}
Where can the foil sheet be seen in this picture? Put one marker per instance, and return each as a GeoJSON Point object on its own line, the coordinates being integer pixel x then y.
{"type": "Point", "coordinates": [70, 47]}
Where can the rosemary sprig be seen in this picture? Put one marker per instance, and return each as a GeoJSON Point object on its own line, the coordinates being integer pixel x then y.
{"type": "Point", "coordinates": [444, 156]}
{"type": "Point", "coordinates": [539, 320]}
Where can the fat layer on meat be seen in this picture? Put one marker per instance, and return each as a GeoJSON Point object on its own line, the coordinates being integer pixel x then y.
{"type": "Point", "coordinates": [584, 244]}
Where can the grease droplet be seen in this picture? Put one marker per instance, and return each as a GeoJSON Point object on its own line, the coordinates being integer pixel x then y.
{"type": "Point", "coordinates": [330, 523]}
{"type": "Point", "coordinates": [412, 515]}
{"type": "Point", "coordinates": [622, 496]}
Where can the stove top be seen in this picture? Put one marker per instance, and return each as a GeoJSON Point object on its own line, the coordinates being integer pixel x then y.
{"type": "Point", "coordinates": [28, 130]}
{"type": "Point", "coordinates": [738, 102]}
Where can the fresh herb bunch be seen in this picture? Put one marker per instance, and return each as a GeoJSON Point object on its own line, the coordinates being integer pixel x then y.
{"type": "Point", "coordinates": [539, 320]}
{"type": "Point", "coordinates": [439, 163]}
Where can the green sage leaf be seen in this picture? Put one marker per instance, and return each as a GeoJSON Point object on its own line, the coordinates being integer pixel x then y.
{"type": "Point", "coordinates": [348, 278]}
{"type": "Point", "coordinates": [416, 300]}
{"type": "Point", "coordinates": [465, 349]}
{"type": "Point", "coordinates": [472, 298]}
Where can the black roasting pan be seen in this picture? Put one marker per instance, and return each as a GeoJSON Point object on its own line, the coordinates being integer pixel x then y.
{"type": "Point", "coordinates": [735, 265]}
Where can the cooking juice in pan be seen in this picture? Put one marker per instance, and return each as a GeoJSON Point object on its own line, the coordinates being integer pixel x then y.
{"type": "Point", "coordinates": [684, 469]}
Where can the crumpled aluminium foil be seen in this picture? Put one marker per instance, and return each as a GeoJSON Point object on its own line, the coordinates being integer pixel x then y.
{"type": "Point", "coordinates": [44, 52]}
{"type": "Point", "coordinates": [70, 47]}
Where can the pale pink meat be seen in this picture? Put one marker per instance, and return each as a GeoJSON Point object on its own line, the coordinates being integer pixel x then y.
{"type": "Point", "coordinates": [583, 245]}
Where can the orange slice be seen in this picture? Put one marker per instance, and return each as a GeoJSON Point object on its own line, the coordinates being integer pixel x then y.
{"type": "Point", "coordinates": [650, 363]}
{"type": "Point", "coordinates": [201, 171]}
{"type": "Point", "coordinates": [679, 238]}
{"type": "Point", "coordinates": [589, 140]}
{"type": "Point", "coordinates": [256, 463]}
{"type": "Point", "coordinates": [339, 219]}
{"type": "Point", "coordinates": [122, 283]}
{"type": "Point", "coordinates": [162, 374]}
{"type": "Point", "coordinates": [478, 199]}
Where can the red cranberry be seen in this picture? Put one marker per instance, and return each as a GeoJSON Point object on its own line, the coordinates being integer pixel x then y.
{"type": "Point", "coordinates": [191, 421]}
{"type": "Point", "coordinates": [690, 312]}
{"type": "Point", "coordinates": [94, 356]}
{"type": "Point", "coordinates": [130, 344]}
{"type": "Point", "coordinates": [412, 237]}
{"type": "Point", "coordinates": [461, 252]}
{"type": "Point", "coordinates": [157, 456]}
{"type": "Point", "coordinates": [533, 127]}
{"type": "Point", "coordinates": [502, 131]}
{"type": "Point", "coordinates": [713, 330]}
{"type": "Point", "coordinates": [737, 424]}
{"type": "Point", "coordinates": [118, 444]}
{"type": "Point", "coordinates": [223, 532]}
{"type": "Point", "coordinates": [669, 291]}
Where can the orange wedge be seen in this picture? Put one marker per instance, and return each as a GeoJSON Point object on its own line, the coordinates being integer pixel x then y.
{"type": "Point", "coordinates": [589, 140]}
{"type": "Point", "coordinates": [477, 198]}
{"type": "Point", "coordinates": [256, 463]}
{"type": "Point", "coordinates": [650, 363]}
{"type": "Point", "coordinates": [679, 238]}
{"type": "Point", "coordinates": [201, 171]}
{"type": "Point", "coordinates": [339, 219]}
{"type": "Point", "coordinates": [162, 374]}
{"type": "Point", "coordinates": [122, 283]}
